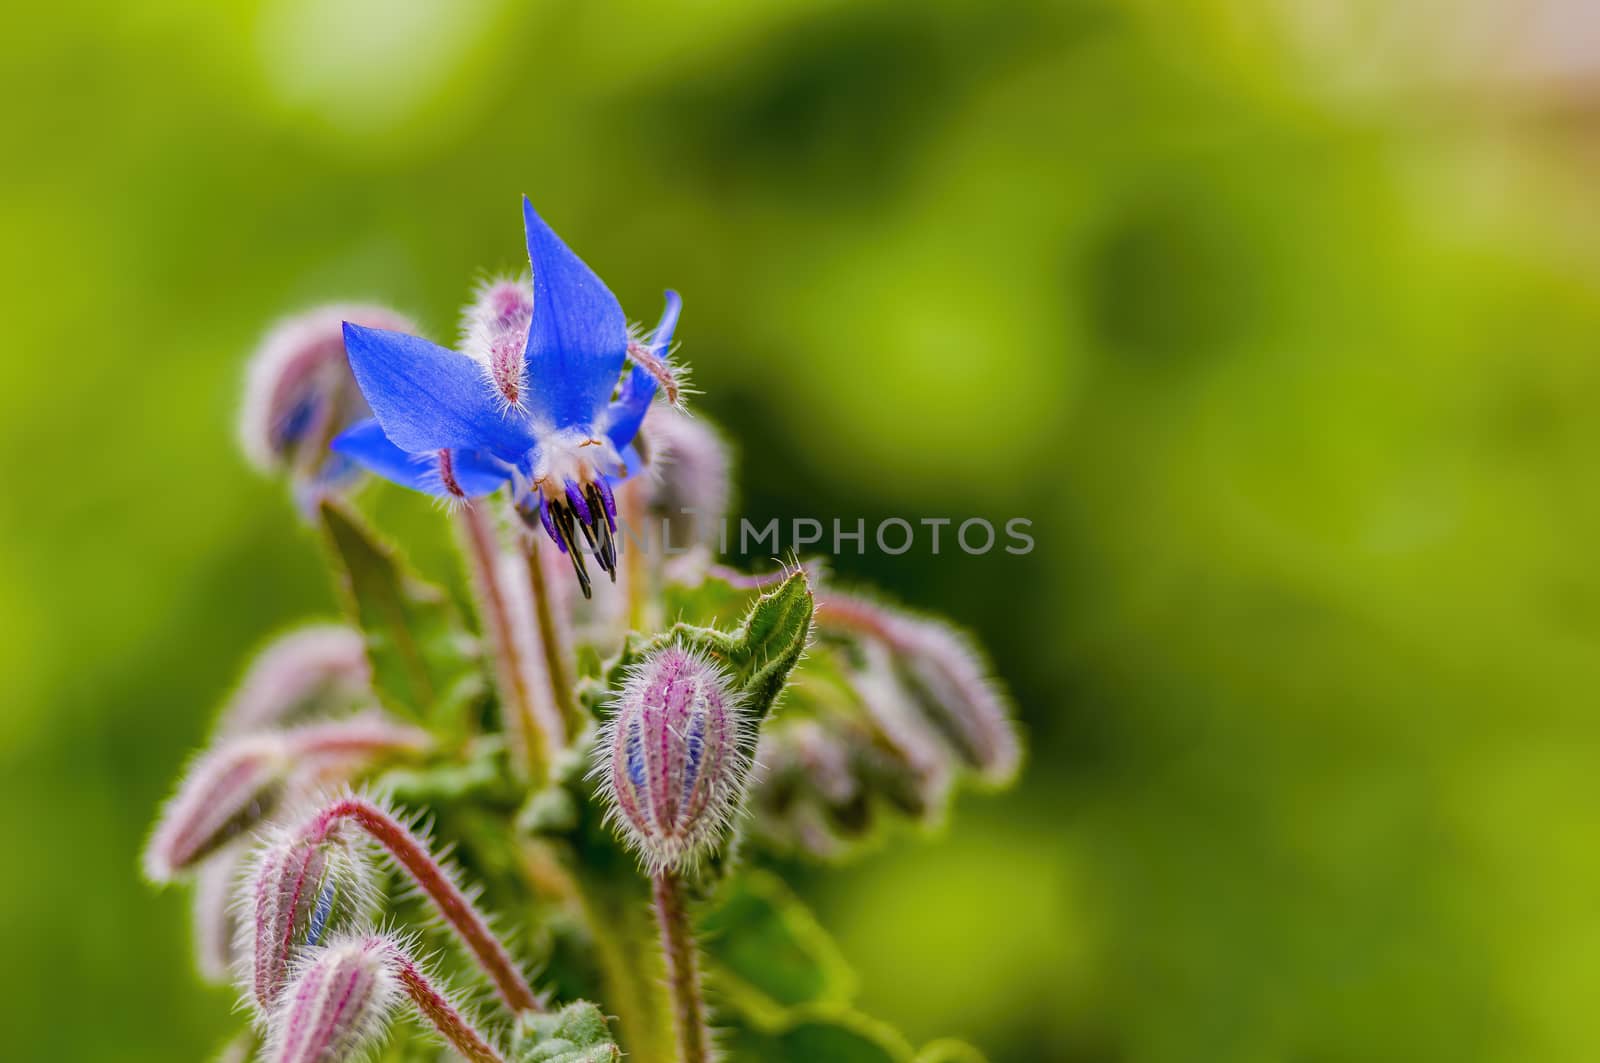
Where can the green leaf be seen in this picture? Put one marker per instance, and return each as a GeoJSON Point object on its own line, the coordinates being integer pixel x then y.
{"type": "Point", "coordinates": [575, 1034]}
{"type": "Point", "coordinates": [837, 1035]}
{"type": "Point", "coordinates": [423, 665]}
{"type": "Point", "coordinates": [768, 952]}
{"type": "Point", "coordinates": [759, 654]}
{"type": "Point", "coordinates": [771, 640]}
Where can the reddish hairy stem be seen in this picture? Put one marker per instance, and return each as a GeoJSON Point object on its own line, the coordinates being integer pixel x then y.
{"type": "Point", "coordinates": [438, 1010]}
{"type": "Point", "coordinates": [411, 854]}
{"type": "Point", "coordinates": [683, 970]}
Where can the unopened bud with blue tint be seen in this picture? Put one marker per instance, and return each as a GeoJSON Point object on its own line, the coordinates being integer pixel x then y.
{"type": "Point", "coordinates": [299, 394]}
{"type": "Point", "coordinates": [338, 1006]}
{"type": "Point", "coordinates": [297, 890]}
{"type": "Point", "coordinates": [674, 758]}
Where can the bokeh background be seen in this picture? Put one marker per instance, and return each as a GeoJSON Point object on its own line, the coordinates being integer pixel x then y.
{"type": "Point", "coordinates": [1279, 318]}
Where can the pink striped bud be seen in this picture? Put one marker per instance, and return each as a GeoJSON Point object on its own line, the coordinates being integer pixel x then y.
{"type": "Point", "coordinates": [338, 1006]}
{"type": "Point", "coordinates": [299, 390]}
{"type": "Point", "coordinates": [674, 758]}
{"type": "Point", "coordinates": [305, 671]}
{"type": "Point", "coordinates": [949, 675]}
{"type": "Point", "coordinates": [298, 888]}
{"type": "Point", "coordinates": [494, 333]}
{"type": "Point", "coordinates": [945, 676]}
{"type": "Point", "coordinates": [227, 791]}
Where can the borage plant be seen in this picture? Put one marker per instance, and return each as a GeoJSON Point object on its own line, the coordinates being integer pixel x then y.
{"type": "Point", "coordinates": [613, 785]}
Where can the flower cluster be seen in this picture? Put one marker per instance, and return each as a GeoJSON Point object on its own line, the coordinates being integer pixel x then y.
{"type": "Point", "coordinates": [699, 699]}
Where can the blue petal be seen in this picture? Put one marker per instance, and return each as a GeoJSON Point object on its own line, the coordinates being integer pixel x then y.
{"type": "Point", "coordinates": [578, 338]}
{"type": "Point", "coordinates": [624, 416]}
{"type": "Point", "coordinates": [428, 398]}
{"type": "Point", "coordinates": [474, 472]}
{"type": "Point", "coordinates": [632, 464]}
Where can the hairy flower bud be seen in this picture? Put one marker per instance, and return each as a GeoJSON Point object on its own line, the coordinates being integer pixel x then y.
{"type": "Point", "coordinates": [227, 791]}
{"type": "Point", "coordinates": [302, 672]}
{"type": "Point", "coordinates": [949, 676]}
{"type": "Point", "coordinates": [494, 333]}
{"type": "Point", "coordinates": [300, 393]}
{"type": "Point", "coordinates": [945, 676]}
{"type": "Point", "coordinates": [338, 1005]}
{"type": "Point", "coordinates": [674, 758]}
{"type": "Point", "coordinates": [298, 888]}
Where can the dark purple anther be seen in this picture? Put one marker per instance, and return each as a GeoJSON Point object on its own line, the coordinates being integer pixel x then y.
{"type": "Point", "coordinates": [603, 485]}
{"type": "Point", "coordinates": [579, 506]}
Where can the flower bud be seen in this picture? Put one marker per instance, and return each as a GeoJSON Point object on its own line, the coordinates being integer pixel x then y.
{"type": "Point", "coordinates": [227, 791]}
{"type": "Point", "coordinates": [298, 674]}
{"type": "Point", "coordinates": [948, 676]}
{"type": "Point", "coordinates": [297, 888]}
{"type": "Point", "coordinates": [674, 758]}
{"type": "Point", "coordinates": [338, 1005]}
{"type": "Point", "coordinates": [494, 333]}
{"type": "Point", "coordinates": [944, 675]}
{"type": "Point", "coordinates": [300, 393]}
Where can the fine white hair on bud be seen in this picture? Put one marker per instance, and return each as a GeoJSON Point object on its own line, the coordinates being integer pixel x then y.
{"type": "Point", "coordinates": [338, 1005]}
{"type": "Point", "coordinates": [299, 390]}
{"type": "Point", "coordinates": [494, 333]}
{"type": "Point", "coordinates": [950, 677]}
{"type": "Point", "coordinates": [302, 672]}
{"type": "Point", "coordinates": [674, 758]}
{"type": "Point", "coordinates": [226, 791]}
{"type": "Point", "coordinates": [298, 889]}
{"type": "Point", "coordinates": [945, 676]}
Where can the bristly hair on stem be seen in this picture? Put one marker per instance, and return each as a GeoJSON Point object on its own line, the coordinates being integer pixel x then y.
{"type": "Point", "coordinates": [680, 952]}
{"type": "Point", "coordinates": [344, 995]}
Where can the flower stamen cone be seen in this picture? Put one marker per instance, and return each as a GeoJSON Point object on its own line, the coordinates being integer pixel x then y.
{"type": "Point", "coordinates": [674, 759]}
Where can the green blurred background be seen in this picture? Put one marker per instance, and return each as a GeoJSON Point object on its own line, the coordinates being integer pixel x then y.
{"type": "Point", "coordinates": [1280, 318]}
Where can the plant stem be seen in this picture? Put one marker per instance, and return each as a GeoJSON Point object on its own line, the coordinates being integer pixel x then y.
{"type": "Point", "coordinates": [439, 1011]}
{"type": "Point", "coordinates": [532, 722]}
{"type": "Point", "coordinates": [683, 971]}
{"type": "Point", "coordinates": [552, 637]}
{"type": "Point", "coordinates": [436, 884]}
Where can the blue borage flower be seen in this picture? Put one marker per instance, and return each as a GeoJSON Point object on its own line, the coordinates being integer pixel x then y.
{"type": "Point", "coordinates": [536, 398]}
